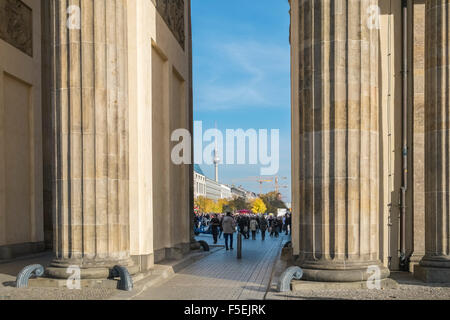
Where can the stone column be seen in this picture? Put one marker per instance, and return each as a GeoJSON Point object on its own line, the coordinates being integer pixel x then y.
{"type": "Point", "coordinates": [194, 244]}
{"type": "Point", "coordinates": [435, 266]}
{"type": "Point", "coordinates": [90, 117]}
{"type": "Point", "coordinates": [339, 141]}
{"type": "Point", "coordinates": [418, 177]}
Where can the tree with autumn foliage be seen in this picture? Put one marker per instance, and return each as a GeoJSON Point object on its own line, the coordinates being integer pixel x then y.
{"type": "Point", "coordinates": [224, 205]}
{"type": "Point", "coordinates": [258, 206]}
{"type": "Point", "coordinates": [203, 204]}
{"type": "Point", "coordinates": [273, 202]}
{"type": "Point", "coordinates": [239, 203]}
{"type": "Point", "coordinates": [206, 205]}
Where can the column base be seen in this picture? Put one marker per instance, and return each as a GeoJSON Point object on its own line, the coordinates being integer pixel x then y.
{"type": "Point", "coordinates": [176, 252]}
{"type": "Point", "coordinates": [89, 269]}
{"type": "Point", "coordinates": [433, 270]}
{"type": "Point", "coordinates": [332, 272]}
{"type": "Point", "coordinates": [144, 261]}
{"type": "Point", "coordinates": [63, 283]}
{"type": "Point", "coordinates": [195, 245]}
{"type": "Point", "coordinates": [414, 261]}
{"type": "Point", "coordinates": [432, 275]}
{"type": "Point", "coordinates": [300, 285]}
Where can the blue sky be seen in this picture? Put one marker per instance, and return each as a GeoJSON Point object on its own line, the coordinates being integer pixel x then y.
{"type": "Point", "coordinates": [242, 76]}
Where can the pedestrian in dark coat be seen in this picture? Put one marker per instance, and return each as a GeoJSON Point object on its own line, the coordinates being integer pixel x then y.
{"type": "Point", "coordinates": [215, 224]}
{"type": "Point", "coordinates": [263, 227]}
{"type": "Point", "coordinates": [276, 227]}
{"type": "Point", "coordinates": [288, 224]}
{"type": "Point", "coordinates": [243, 226]}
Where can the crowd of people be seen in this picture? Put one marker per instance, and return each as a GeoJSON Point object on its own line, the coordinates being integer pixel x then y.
{"type": "Point", "coordinates": [249, 225]}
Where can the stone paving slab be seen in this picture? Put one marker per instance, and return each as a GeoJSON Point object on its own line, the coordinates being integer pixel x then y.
{"type": "Point", "coordinates": [43, 289]}
{"type": "Point", "coordinates": [161, 272]}
{"type": "Point", "coordinates": [209, 239]}
{"type": "Point", "coordinates": [10, 269]}
{"type": "Point", "coordinates": [407, 288]}
{"type": "Point", "coordinates": [221, 276]}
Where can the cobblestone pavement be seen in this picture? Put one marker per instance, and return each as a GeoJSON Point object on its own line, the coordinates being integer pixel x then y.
{"type": "Point", "coordinates": [221, 276]}
{"type": "Point", "coordinates": [9, 271]}
{"type": "Point", "coordinates": [408, 289]}
{"type": "Point", "coordinates": [9, 293]}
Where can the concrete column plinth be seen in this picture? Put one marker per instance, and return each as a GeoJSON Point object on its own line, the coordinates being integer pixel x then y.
{"type": "Point", "coordinates": [433, 270]}
{"type": "Point", "coordinates": [435, 265]}
{"type": "Point", "coordinates": [338, 177]}
{"type": "Point", "coordinates": [90, 125]}
{"type": "Point", "coordinates": [352, 272]}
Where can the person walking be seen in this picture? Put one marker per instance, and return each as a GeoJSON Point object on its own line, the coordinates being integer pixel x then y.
{"type": "Point", "coordinates": [243, 229]}
{"type": "Point", "coordinates": [276, 225]}
{"type": "Point", "coordinates": [253, 227]}
{"type": "Point", "coordinates": [229, 227]}
{"type": "Point", "coordinates": [271, 226]}
{"type": "Point", "coordinates": [215, 224]}
{"type": "Point", "coordinates": [247, 227]}
{"type": "Point", "coordinates": [263, 227]}
{"type": "Point", "coordinates": [220, 226]}
{"type": "Point", "coordinates": [288, 224]}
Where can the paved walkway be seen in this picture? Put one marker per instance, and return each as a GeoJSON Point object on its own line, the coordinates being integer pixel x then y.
{"type": "Point", "coordinates": [9, 271]}
{"type": "Point", "coordinates": [221, 276]}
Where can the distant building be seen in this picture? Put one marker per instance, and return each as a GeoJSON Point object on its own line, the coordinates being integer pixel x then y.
{"type": "Point", "coordinates": [249, 195]}
{"type": "Point", "coordinates": [199, 182]}
{"type": "Point", "coordinates": [238, 192]}
{"type": "Point", "coordinates": [213, 190]}
{"type": "Point", "coordinates": [225, 192]}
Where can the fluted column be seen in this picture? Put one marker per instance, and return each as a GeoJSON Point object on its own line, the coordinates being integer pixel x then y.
{"type": "Point", "coordinates": [435, 266]}
{"type": "Point", "coordinates": [194, 244]}
{"type": "Point", "coordinates": [339, 141]}
{"type": "Point", "coordinates": [91, 225]}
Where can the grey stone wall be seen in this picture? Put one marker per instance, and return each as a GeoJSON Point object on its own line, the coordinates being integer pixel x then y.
{"type": "Point", "coordinates": [172, 11]}
{"type": "Point", "coordinates": [16, 25]}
